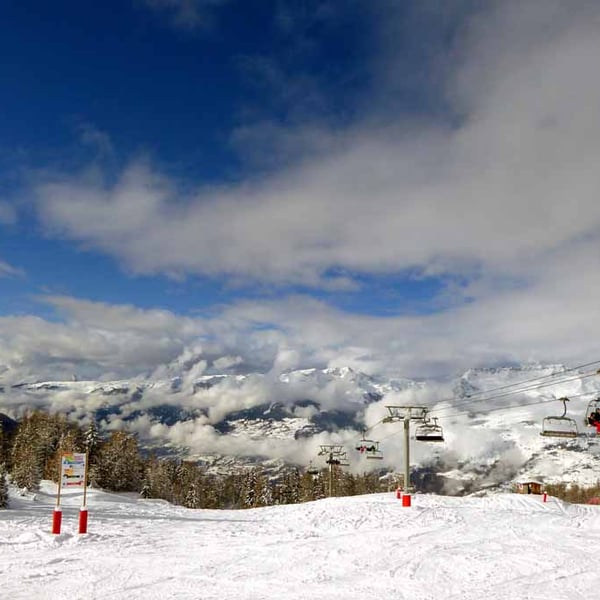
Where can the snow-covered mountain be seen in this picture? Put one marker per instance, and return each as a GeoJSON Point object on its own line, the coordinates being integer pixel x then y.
{"type": "Point", "coordinates": [492, 419]}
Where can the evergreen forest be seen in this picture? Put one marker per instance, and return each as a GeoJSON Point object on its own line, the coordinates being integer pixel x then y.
{"type": "Point", "coordinates": [31, 451]}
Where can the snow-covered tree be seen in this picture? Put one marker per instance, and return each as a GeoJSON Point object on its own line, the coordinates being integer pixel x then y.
{"type": "Point", "coordinates": [192, 497]}
{"type": "Point", "coordinates": [119, 465]}
{"type": "Point", "coordinates": [27, 453]}
{"type": "Point", "coordinates": [249, 494]}
{"type": "Point", "coordinates": [290, 487]}
{"type": "Point", "coordinates": [92, 441]}
{"type": "Point", "coordinates": [146, 491]}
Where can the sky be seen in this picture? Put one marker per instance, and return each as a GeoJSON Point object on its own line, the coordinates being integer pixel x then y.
{"type": "Point", "coordinates": [407, 188]}
{"type": "Point", "coordinates": [500, 546]}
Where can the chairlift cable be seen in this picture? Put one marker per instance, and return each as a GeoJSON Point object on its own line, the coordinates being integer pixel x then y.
{"type": "Point", "coordinates": [518, 391]}
{"type": "Point", "coordinates": [470, 400]}
{"type": "Point", "coordinates": [514, 406]}
{"type": "Point", "coordinates": [519, 383]}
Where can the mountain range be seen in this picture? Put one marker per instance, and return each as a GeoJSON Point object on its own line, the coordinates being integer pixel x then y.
{"type": "Point", "coordinates": [491, 419]}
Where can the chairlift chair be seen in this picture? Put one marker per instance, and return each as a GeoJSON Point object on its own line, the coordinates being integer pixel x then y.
{"type": "Point", "coordinates": [312, 470]}
{"type": "Point", "coordinates": [592, 414]}
{"type": "Point", "coordinates": [429, 432]}
{"type": "Point", "coordinates": [562, 426]}
{"type": "Point", "coordinates": [370, 449]}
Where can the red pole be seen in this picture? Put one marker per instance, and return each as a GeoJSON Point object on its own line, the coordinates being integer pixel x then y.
{"type": "Point", "coordinates": [545, 497]}
{"type": "Point", "coordinates": [406, 500]}
{"type": "Point", "coordinates": [56, 520]}
{"type": "Point", "coordinates": [83, 520]}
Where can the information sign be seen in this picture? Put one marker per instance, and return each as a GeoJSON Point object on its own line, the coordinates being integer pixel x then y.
{"type": "Point", "coordinates": [72, 470]}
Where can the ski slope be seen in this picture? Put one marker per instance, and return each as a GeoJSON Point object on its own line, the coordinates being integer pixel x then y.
{"type": "Point", "coordinates": [363, 547]}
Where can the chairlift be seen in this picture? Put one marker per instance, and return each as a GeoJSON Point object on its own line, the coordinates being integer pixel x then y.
{"type": "Point", "coordinates": [338, 460]}
{"type": "Point", "coordinates": [592, 414]}
{"type": "Point", "coordinates": [369, 449]}
{"type": "Point", "coordinates": [429, 432]}
{"type": "Point", "coordinates": [312, 470]}
{"type": "Point", "coordinates": [563, 426]}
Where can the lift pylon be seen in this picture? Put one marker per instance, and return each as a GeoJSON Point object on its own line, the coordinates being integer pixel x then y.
{"type": "Point", "coordinates": [336, 457]}
{"type": "Point", "coordinates": [406, 414]}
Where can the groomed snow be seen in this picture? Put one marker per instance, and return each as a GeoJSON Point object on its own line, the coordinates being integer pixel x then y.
{"type": "Point", "coordinates": [363, 547]}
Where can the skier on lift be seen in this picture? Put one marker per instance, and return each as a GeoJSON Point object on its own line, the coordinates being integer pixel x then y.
{"type": "Point", "coordinates": [594, 420]}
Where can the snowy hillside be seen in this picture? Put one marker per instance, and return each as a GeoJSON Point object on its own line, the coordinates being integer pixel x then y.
{"type": "Point", "coordinates": [492, 434]}
{"type": "Point", "coordinates": [498, 547]}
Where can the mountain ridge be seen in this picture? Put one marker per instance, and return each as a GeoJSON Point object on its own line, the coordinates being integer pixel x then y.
{"type": "Point", "coordinates": [283, 418]}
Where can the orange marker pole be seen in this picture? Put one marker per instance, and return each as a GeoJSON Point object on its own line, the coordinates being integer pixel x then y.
{"type": "Point", "coordinates": [57, 514]}
{"type": "Point", "coordinates": [83, 511]}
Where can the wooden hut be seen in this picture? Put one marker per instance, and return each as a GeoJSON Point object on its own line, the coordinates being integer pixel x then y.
{"type": "Point", "coordinates": [529, 487]}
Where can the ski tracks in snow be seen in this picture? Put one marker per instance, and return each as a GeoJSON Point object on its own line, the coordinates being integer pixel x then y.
{"type": "Point", "coordinates": [496, 547]}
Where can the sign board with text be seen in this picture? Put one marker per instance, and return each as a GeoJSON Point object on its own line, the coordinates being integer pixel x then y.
{"type": "Point", "coordinates": [72, 470]}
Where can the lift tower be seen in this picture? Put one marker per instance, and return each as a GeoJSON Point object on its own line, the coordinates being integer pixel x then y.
{"type": "Point", "coordinates": [406, 414]}
{"type": "Point", "coordinates": [336, 457]}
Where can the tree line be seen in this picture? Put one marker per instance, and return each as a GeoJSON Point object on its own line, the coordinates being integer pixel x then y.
{"type": "Point", "coordinates": [572, 492]}
{"type": "Point", "coordinates": [32, 452]}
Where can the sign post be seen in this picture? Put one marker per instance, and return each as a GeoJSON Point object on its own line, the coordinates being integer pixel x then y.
{"type": "Point", "coordinates": [73, 473]}
{"type": "Point", "coordinates": [57, 513]}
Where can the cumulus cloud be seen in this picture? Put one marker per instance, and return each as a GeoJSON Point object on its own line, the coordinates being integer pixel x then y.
{"type": "Point", "coordinates": [510, 179]}
{"type": "Point", "coordinates": [164, 356]}
{"type": "Point", "coordinates": [495, 199]}
{"type": "Point", "coordinates": [95, 341]}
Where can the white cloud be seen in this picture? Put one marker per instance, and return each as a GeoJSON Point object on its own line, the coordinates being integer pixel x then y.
{"type": "Point", "coordinates": [515, 180]}
{"type": "Point", "coordinates": [7, 270]}
{"type": "Point", "coordinates": [500, 203]}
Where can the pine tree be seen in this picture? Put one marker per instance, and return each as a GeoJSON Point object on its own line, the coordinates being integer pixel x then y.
{"type": "Point", "coordinates": [192, 497]}
{"type": "Point", "coordinates": [307, 485]}
{"type": "Point", "coordinates": [146, 490]}
{"type": "Point", "coordinates": [119, 465]}
{"type": "Point", "coordinates": [249, 495]}
{"type": "Point", "coordinates": [230, 490]}
{"type": "Point", "coordinates": [92, 441]}
{"type": "Point", "coordinates": [69, 441]}
{"type": "Point", "coordinates": [266, 493]}
{"type": "Point", "coordinates": [319, 488]}
{"type": "Point", "coordinates": [4, 502]}
{"type": "Point", "coordinates": [159, 476]}
{"type": "Point", "coordinates": [312, 487]}
{"type": "Point", "coordinates": [26, 457]}
{"type": "Point", "coordinates": [34, 451]}
{"type": "Point", "coordinates": [4, 445]}
{"type": "Point", "coordinates": [290, 489]}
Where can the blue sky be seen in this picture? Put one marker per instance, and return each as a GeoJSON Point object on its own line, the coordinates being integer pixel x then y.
{"type": "Point", "coordinates": [394, 171]}
{"type": "Point", "coordinates": [102, 84]}
{"type": "Point", "coordinates": [181, 86]}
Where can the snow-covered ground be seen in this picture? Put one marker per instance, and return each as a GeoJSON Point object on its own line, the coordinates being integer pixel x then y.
{"type": "Point", "coordinates": [365, 547]}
